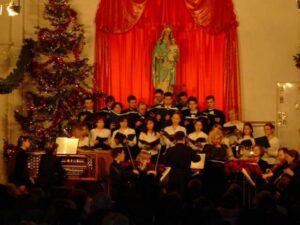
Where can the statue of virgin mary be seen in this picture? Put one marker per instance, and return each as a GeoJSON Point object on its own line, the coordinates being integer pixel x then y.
{"type": "Point", "coordinates": [165, 57]}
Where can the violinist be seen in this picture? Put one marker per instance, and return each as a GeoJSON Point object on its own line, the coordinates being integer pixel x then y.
{"type": "Point", "coordinates": [122, 177]}
{"type": "Point", "coordinates": [288, 184]}
{"type": "Point", "coordinates": [272, 174]}
{"type": "Point", "coordinates": [258, 153]}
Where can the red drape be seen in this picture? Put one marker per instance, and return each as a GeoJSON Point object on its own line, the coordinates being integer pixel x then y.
{"type": "Point", "coordinates": [205, 31]}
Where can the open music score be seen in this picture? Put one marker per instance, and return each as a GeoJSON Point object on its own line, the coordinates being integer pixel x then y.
{"type": "Point", "coordinates": [67, 146]}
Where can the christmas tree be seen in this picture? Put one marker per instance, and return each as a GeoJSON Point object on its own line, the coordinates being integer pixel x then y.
{"type": "Point", "coordinates": [58, 75]}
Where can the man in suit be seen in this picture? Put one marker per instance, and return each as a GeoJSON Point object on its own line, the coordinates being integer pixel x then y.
{"type": "Point", "coordinates": [215, 116]}
{"type": "Point", "coordinates": [179, 158]}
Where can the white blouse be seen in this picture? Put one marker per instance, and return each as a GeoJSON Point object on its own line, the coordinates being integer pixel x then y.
{"type": "Point", "coordinates": [171, 131]}
{"type": "Point", "coordinates": [126, 132]}
{"type": "Point", "coordinates": [271, 154]}
{"type": "Point", "coordinates": [149, 137]}
{"type": "Point", "coordinates": [102, 133]}
{"type": "Point", "coordinates": [194, 136]}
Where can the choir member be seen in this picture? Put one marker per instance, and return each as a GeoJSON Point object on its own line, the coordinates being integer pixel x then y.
{"type": "Point", "coordinates": [271, 152]}
{"type": "Point", "coordinates": [140, 118]}
{"type": "Point", "coordinates": [198, 134]}
{"type": "Point", "coordinates": [21, 176]}
{"type": "Point", "coordinates": [169, 131]}
{"type": "Point", "coordinates": [117, 140]}
{"type": "Point", "coordinates": [51, 172]}
{"type": "Point", "coordinates": [182, 100]}
{"type": "Point", "coordinates": [233, 121]}
{"type": "Point", "coordinates": [109, 101]}
{"type": "Point", "coordinates": [113, 119]}
{"type": "Point", "coordinates": [215, 116]}
{"type": "Point", "coordinates": [247, 135]}
{"type": "Point", "coordinates": [78, 132]}
{"type": "Point", "coordinates": [179, 158]}
{"type": "Point", "coordinates": [132, 104]}
{"type": "Point", "coordinates": [193, 114]}
{"type": "Point", "coordinates": [158, 97]}
{"type": "Point", "coordinates": [88, 105]}
{"type": "Point", "coordinates": [149, 139]}
{"type": "Point", "coordinates": [100, 136]}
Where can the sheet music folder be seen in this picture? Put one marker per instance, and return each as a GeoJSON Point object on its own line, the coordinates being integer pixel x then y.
{"type": "Point", "coordinates": [67, 146]}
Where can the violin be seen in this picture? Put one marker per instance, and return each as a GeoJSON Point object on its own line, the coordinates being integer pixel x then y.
{"type": "Point", "coordinates": [141, 167]}
{"type": "Point", "coordinates": [283, 180]}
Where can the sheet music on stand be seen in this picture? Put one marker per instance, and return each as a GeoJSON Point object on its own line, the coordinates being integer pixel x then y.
{"type": "Point", "coordinates": [67, 146]}
{"type": "Point", "coordinates": [200, 164]}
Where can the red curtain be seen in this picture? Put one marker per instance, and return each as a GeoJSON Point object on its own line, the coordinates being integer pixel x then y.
{"type": "Point", "coordinates": [205, 31]}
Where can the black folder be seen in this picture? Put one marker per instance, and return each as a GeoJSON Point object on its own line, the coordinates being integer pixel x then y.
{"type": "Point", "coordinates": [168, 136]}
{"type": "Point", "coordinates": [121, 137]}
{"type": "Point", "coordinates": [230, 130]}
{"type": "Point", "coordinates": [246, 143]}
{"type": "Point", "coordinates": [151, 144]}
{"type": "Point", "coordinates": [262, 141]}
{"type": "Point", "coordinates": [200, 139]}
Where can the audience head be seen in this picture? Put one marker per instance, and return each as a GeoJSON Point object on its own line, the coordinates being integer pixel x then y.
{"type": "Point", "coordinates": [210, 101]}
{"type": "Point", "coordinates": [158, 96]}
{"type": "Point", "coordinates": [193, 103]}
{"type": "Point", "coordinates": [24, 142]}
{"type": "Point", "coordinates": [142, 108]}
{"type": "Point", "coordinates": [282, 154]}
{"type": "Point", "coordinates": [292, 156]}
{"type": "Point", "coordinates": [117, 107]}
{"type": "Point", "coordinates": [248, 130]}
{"type": "Point", "coordinates": [109, 101]}
{"type": "Point", "coordinates": [182, 98]}
{"type": "Point", "coordinates": [114, 218]}
{"type": "Point", "coordinates": [176, 118]}
{"type": "Point", "coordinates": [101, 201]}
{"type": "Point", "coordinates": [100, 122]}
{"type": "Point", "coordinates": [269, 129]}
{"type": "Point", "coordinates": [88, 103]}
{"type": "Point", "coordinates": [132, 102]}
{"type": "Point", "coordinates": [168, 98]}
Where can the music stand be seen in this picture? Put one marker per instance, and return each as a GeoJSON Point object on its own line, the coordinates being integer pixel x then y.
{"type": "Point", "coordinates": [67, 146]}
{"type": "Point", "coordinates": [200, 164]}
